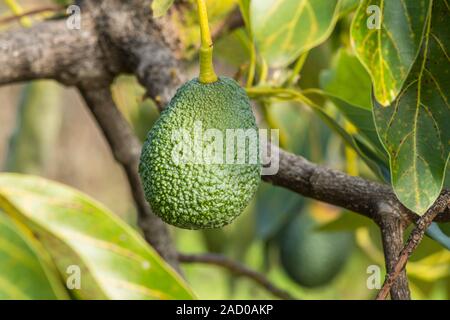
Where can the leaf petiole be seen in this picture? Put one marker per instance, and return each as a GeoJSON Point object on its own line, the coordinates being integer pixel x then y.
{"type": "Point", "coordinates": [207, 73]}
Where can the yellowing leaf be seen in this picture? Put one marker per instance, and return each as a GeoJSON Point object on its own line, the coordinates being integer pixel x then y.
{"type": "Point", "coordinates": [113, 259]}
{"type": "Point", "coordinates": [431, 268]}
{"type": "Point", "coordinates": [283, 29]}
{"type": "Point", "coordinates": [415, 128]}
{"type": "Point", "coordinates": [24, 273]}
{"type": "Point", "coordinates": [386, 35]}
{"type": "Point", "coordinates": [160, 7]}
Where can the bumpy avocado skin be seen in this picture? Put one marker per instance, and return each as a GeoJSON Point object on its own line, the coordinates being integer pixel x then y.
{"type": "Point", "coordinates": [313, 258]}
{"type": "Point", "coordinates": [192, 195]}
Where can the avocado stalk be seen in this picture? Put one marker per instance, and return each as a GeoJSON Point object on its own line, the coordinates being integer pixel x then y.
{"type": "Point", "coordinates": [207, 73]}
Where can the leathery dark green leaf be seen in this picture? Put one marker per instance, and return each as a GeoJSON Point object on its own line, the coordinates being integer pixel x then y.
{"type": "Point", "coordinates": [415, 128]}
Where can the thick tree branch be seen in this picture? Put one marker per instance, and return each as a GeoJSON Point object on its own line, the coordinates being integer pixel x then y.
{"type": "Point", "coordinates": [359, 195]}
{"type": "Point", "coordinates": [237, 269]}
{"type": "Point", "coordinates": [51, 50]}
{"type": "Point", "coordinates": [414, 240]}
{"type": "Point", "coordinates": [139, 44]}
{"type": "Point", "coordinates": [126, 150]}
{"type": "Point", "coordinates": [392, 227]}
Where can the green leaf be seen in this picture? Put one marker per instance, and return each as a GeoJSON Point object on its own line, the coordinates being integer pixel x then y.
{"type": "Point", "coordinates": [388, 52]}
{"type": "Point", "coordinates": [24, 273]}
{"type": "Point", "coordinates": [160, 7]}
{"type": "Point", "coordinates": [115, 262]}
{"type": "Point", "coordinates": [348, 80]}
{"type": "Point", "coordinates": [366, 141]}
{"type": "Point", "coordinates": [354, 100]}
{"type": "Point", "coordinates": [362, 119]}
{"type": "Point", "coordinates": [244, 6]}
{"type": "Point", "coordinates": [415, 128]}
{"type": "Point", "coordinates": [348, 6]}
{"type": "Point", "coordinates": [284, 29]}
{"type": "Point", "coordinates": [371, 159]}
{"type": "Point", "coordinates": [292, 123]}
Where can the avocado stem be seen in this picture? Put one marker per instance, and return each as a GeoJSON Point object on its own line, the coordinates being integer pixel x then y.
{"type": "Point", "coordinates": [207, 73]}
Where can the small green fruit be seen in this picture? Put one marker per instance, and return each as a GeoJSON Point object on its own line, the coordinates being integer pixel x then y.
{"type": "Point", "coordinates": [313, 258]}
{"type": "Point", "coordinates": [204, 193]}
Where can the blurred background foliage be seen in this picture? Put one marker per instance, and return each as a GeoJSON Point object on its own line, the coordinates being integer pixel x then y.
{"type": "Point", "coordinates": [311, 249]}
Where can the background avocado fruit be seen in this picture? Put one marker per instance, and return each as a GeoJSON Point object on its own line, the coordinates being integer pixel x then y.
{"type": "Point", "coordinates": [201, 195]}
{"type": "Point", "coordinates": [310, 257]}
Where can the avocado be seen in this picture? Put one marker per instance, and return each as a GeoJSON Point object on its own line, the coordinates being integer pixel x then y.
{"type": "Point", "coordinates": [190, 182]}
{"type": "Point", "coordinates": [310, 257]}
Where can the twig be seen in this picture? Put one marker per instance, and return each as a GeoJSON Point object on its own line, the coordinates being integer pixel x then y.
{"type": "Point", "coordinates": [414, 240]}
{"type": "Point", "coordinates": [392, 227]}
{"type": "Point", "coordinates": [9, 19]}
{"type": "Point", "coordinates": [236, 268]}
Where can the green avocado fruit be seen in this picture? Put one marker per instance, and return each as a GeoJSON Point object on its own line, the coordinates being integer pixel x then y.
{"type": "Point", "coordinates": [310, 257]}
{"type": "Point", "coordinates": [189, 180]}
